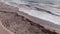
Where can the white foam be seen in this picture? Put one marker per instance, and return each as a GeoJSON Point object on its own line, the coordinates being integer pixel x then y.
{"type": "Point", "coordinates": [42, 15]}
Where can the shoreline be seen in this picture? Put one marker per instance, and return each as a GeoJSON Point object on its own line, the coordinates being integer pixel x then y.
{"type": "Point", "coordinates": [34, 19]}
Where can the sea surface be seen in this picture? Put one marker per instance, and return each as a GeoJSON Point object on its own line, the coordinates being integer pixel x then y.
{"type": "Point", "coordinates": [32, 1]}
{"type": "Point", "coordinates": [50, 8]}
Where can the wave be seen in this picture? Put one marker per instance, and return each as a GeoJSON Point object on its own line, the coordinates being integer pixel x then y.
{"type": "Point", "coordinates": [34, 7]}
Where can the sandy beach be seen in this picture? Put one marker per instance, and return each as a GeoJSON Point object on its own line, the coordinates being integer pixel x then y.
{"type": "Point", "coordinates": [3, 31]}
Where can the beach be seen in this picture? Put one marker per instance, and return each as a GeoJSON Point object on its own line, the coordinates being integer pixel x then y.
{"type": "Point", "coordinates": [28, 18]}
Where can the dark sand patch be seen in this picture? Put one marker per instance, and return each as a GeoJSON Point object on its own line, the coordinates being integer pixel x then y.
{"type": "Point", "coordinates": [19, 24]}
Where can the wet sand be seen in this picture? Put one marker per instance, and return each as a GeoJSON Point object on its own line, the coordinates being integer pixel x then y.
{"type": "Point", "coordinates": [3, 31]}
{"type": "Point", "coordinates": [3, 7]}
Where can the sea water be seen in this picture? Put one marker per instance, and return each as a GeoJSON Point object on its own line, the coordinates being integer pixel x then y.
{"type": "Point", "coordinates": [39, 1]}
{"type": "Point", "coordinates": [39, 14]}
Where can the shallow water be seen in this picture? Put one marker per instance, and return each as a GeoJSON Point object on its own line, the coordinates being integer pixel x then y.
{"type": "Point", "coordinates": [39, 14]}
